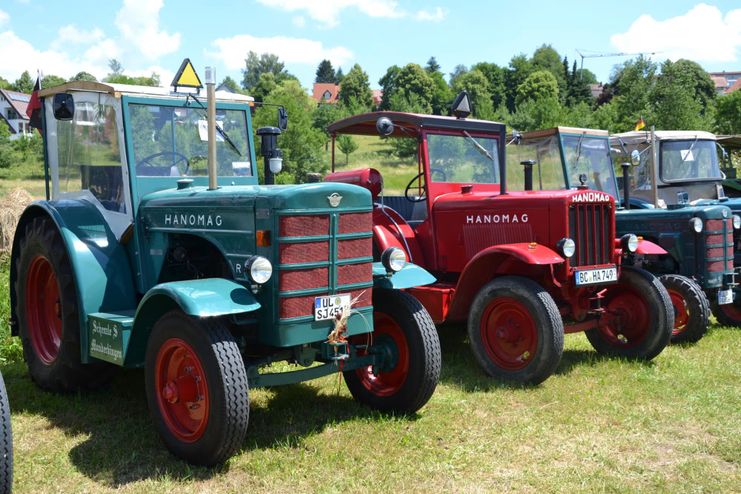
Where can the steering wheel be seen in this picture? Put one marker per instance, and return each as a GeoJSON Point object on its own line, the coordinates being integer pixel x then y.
{"type": "Point", "coordinates": [412, 198]}
{"type": "Point", "coordinates": [146, 162]}
{"type": "Point", "coordinates": [434, 170]}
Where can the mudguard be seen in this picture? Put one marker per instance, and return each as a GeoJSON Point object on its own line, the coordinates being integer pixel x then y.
{"type": "Point", "coordinates": [410, 276]}
{"type": "Point", "coordinates": [208, 297]}
{"type": "Point", "coordinates": [646, 247]}
{"type": "Point", "coordinates": [529, 253]}
{"type": "Point", "coordinates": [99, 262]}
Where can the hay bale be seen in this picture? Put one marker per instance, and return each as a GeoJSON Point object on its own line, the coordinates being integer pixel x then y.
{"type": "Point", "coordinates": [12, 206]}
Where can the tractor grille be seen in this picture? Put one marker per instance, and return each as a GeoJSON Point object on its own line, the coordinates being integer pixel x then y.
{"type": "Point", "coordinates": [719, 245]}
{"type": "Point", "coordinates": [323, 254]}
{"type": "Point", "coordinates": [591, 228]}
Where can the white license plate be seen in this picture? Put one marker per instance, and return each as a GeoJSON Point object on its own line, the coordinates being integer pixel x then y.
{"type": "Point", "coordinates": [725, 296]}
{"type": "Point", "coordinates": [591, 276]}
{"type": "Point", "coordinates": [329, 306]}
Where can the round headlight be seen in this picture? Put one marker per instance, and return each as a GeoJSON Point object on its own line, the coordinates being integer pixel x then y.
{"type": "Point", "coordinates": [736, 222]}
{"type": "Point", "coordinates": [259, 268]}
{"type": "Point", "coordinates": [696, 224]}
{"type": "Point", "coordinates": [629, 242]}
{"type": "Point", "coordinates": [566, 247]}
{"type": "Point", "coordinates": [393, 259]}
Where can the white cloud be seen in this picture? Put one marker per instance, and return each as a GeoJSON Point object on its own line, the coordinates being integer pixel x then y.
{"type": "Point", "coordinates": [72, 34]}
{"type": "Point", "coordinates": [138, 22]}
{"type": "Point", "coordinates": [299, 21]}
{"type": "Point", "coordinates": [703, 34]}
{"type": "Point", "coordinates": [436, 15]}
{"type": "Point", "coordinates": [232, 51]}
{"type": "Point", "coordinates": [4, 17]}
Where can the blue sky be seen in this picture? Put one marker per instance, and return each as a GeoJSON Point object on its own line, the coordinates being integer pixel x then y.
{"type": "Point", "coordinates": [63, 38]}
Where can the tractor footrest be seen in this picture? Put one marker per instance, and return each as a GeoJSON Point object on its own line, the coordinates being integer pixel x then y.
{"type": "Point", "coordinates": [108, 335]}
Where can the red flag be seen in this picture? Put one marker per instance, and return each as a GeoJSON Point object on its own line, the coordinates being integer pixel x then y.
{"type": "Point", "coordinates": [34, 106]}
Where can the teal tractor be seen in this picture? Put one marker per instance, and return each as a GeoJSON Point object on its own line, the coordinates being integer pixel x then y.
{"type": "Point", "coordinates": [697, 263]}
{"type": "Point", "coordinates": [157, 248]}
{"type": "Point", "coordinates": [686, 166]}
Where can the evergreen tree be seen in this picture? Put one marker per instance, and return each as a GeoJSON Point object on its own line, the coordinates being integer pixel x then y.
{"type": "Point", "coordinates": [325, 73]}
{"type": "Point", "coordinates": [339, 76]}
{"type": "Point", "coordinates": [432, 66]}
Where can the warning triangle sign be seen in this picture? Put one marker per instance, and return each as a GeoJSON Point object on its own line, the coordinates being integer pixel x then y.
{"type": "Point", "coordinates": [186, 76]}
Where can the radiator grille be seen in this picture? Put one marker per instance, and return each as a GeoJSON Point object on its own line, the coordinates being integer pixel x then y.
{"type": "Point", "coordinates": [719, 245]}
{"type": "Point", "coordinates": [589, 227]}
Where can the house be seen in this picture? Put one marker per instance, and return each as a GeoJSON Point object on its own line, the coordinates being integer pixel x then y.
{"type": "Point", "coordinates": [325, 92]}
{"type": "Point", "coordinates": [726, 82]}
{"type": "Point", "coordinates": [13, 112]}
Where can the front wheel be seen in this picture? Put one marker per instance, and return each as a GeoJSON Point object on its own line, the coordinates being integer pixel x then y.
{"type": "Point", "coordinates": [196, 388]}
{"type": "Point", "coordinates": [6, 442]}
{"type": "Point", "coordinates": [638, 319]}
{"type": "Point", "coordinates": [728, 314]}
{"type": "Point", "coordinates": [691, 308]}
{"type": "Point", "coordinates": [516, 331]}
{"type": "Point", "coordinates": [404, 331]}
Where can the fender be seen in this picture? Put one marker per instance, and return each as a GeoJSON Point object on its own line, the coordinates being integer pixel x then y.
{"type": "Point", "coordinates": [391, 230]}
{"type": "Point", "coordinates": [646, 247]}
{"type": "Point", "coordinates": [100, 264]}
{"type": "Point", "coordinates": [410, 276]}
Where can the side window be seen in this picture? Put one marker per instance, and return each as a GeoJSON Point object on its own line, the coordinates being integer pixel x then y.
{"type": "Point", "coordinates": [88, 155]}
{"type": "Point", "coordinates": [547, 172]}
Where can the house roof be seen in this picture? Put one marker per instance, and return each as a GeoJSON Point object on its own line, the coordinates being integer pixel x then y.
{"type": "Point", "coordinates": [19, 101]}
{"type": "Point", "coordinates": [320, 88]}
{"type": "Point", "coordinates": [377, 96]}
{"type": "Point", "coordinates": [719, 81]}
{"type": "Point", "coordinates": [736, 86]}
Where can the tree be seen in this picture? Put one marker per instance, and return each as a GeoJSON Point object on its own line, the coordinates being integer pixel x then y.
{"type": "Point", "coordinates": [514, 75]}
{"type": "Point", "coordinates": [24, 84]}
{"type": "Point", "coordinates": [84, 76]}
{"type": "Point", "coordinates": [680, 97]}
{"type": "Point", "coordinates": [495, 75]}
{"type": "Point", "coordinates": [442, 95]}
{"type": "Point", "coordinates": [339, 76]}
{"type": "Point", "coordinates": [301, 142]}
{"type": "Point", "coordinates": [257, 65]}
{"type": "Point", "coordinates": [388, 85]}
{"type": "Point", "coordinates": [264, 86]}
{"type": "Point", "coordinates": [432, 66]}
{"type": "Point", "coordinates": [632, 84]}
{"type": "Point", "coordinates": [458, 71]}
{"type": "Point", "coordinates": [325, 73]}
{"type": "Point", "coordinates": [729, 113]}
{"type": "Point", "coordinates": [4, 84]}
{"type": "Point", "coordinates": [115, 67]}
{"type": "Point", "coordinates": [347, 146]}
{"type": "Point", "coordinates": [479, 92]}
{"type": "Point", "coordinates": [231, 84]}
{"type": "Point", "coordinates": [536, 114]}
{"type": "Point", "coordinates": [413, 90]}
{"type": "Point", "coordinates": [577, 88]}
{"type": "Point", "coordinates": [355, 93]}
{"type": "Point", "coordinates": [539, 85]}
{"type": "Point", "coordinates": [547, 58]}
{"type": "Point", "coordinates": [51, 81]}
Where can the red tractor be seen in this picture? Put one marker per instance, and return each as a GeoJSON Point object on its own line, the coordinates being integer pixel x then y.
{"type": "Point", "coordinates": [522, 268]}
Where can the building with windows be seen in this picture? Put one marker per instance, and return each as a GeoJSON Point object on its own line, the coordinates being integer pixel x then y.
{"type": "Point", "coordinates": [13, 112]}
{"type": "Point", "coordinates": [726, 82]}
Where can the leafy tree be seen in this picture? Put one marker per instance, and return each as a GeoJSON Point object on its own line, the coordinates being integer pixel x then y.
{"type": "Point", "coordinates": [442, 95]}
{"type": "Point", "coordinates": [325, 114]}
{"type": "Point", "coordinates": [347, 146]}
{"type": "Point", "coordinates": [407, 102]}
{"type": "Point", "coordinates": [536, 114]}
{"type": "Point", "coordinates": [683, 97]}
{"type": "Point", "coordinates": [547, 58]}
{"type": "Point", "coordinates": [325, 73]}
{"type": "Point", "coordinates": [231, 84]}
{"type": "Point", "coordinates": [632, 85]}
{"type": "Point", "coordinates": [355, 93]}
{"type": "Point", "coordinates": [257, 65]}
{"type": "Point", "coordinates": [432, 66]}
{"type": "Point", "coordinates": [414, 85]}
{"type": "Point", "coordinates": [514, 75]}
{"type": "Point", "coordinates": [84, 76]}
{"type": "Point", "coordinates": [577, 89]}
{"type": "Point", "coordinates": [539, 85]}
{"type": "Point", "coordinates": [605, 117]}
{"type": "Point", "coordinates": [24, 84]}
{"type": "Point", "coordinates": [339, 76]}
{"type": "Point", "coordinates": [477, 85]}
{"type": "Point", "coordinates": [264, 86]}
{"type": "Point", "coordinates": [51, 81]}
{"type": "Point", "coordinates": [301, 142]}
{"type": "Point", "coordinates": [729, 113]}
{"type": "Point", "coordinates": [4, 84]}
{"type": "Point", "coordinates": [495, 75]}
{"type": "Point", "coordinates": [388, 85]}
{"type": "Point", "coordinates": [115, 67]}
{"type": "Point", "coordinates": [458, 71]}
{"type": "Point", "coordinates": [8, 155]}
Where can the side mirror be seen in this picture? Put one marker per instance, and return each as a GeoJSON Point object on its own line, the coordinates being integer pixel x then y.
{"type": "Point", "coordinates": [635, 157]}
{"type": "Point", "coordinates": [64, 106]}
{"type": "Point", "coordinates": [282, 118]}
{"type": "Point", "coordinates": [384, 126]}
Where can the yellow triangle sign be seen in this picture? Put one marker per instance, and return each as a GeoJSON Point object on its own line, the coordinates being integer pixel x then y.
{"type": "Point", "coordinates": [186, 76]}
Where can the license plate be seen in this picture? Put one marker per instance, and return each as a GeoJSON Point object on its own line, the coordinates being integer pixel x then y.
{"type": "Point", "coordinates": [329, 306]}
{"type": "Point", "coordinates": [592, 276]}
{"type": "Point", "coordinates": [725, 297]}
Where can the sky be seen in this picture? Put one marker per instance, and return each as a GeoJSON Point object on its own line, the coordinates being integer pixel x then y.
{"type": "Point", "coordinates": [65, 37]}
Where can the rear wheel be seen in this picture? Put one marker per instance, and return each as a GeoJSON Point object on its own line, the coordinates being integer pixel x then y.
{"type": "Point", "coordinates": [516, 331]}
{"type": "Point", "coordinates": [691, 308]}
{"type": "Point", "coordinates": [405, 333]}
{"type": "Point", "coordinates": [6, 442]}
{"type": "Point", "coordinates": [48, 315]}
{"type": "Point", "coordinates": [196, 388]}
{"type": "Point", "coordinates": [638, 319]}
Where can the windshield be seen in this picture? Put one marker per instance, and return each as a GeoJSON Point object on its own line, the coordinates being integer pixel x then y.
{"type": "Point", "coordinates": [463, 158]}
{"type": "Point", "coordinates": [173, 141]}
{"type": "Point", "coordinates": [589, 156]}
{"type": "Point", "coordinates": [689, 160]}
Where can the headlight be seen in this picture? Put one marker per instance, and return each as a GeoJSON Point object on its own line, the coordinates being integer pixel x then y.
{"type": "Point", "coordinates": [696, 224]}
{"type": "Point", "coordinates": [566, 247]}
{"type": "Point", "coordinates": [629, 242]}
{"type": "Point", "coordinates": [393, 259]}
{"type": "Point", "coordinates": [259, 268]}
{"type": "Point", "coordinates": [736, 222]}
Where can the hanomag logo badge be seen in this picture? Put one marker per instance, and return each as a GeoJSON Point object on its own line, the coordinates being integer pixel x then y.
{"type": "Point", "coordinates": [334, 199]}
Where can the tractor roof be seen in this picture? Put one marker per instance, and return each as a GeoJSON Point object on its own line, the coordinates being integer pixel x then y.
{"type": "Point", "coordinates": [563, 130]}
{"type": "Point", "coordinates": [410, 124]}
{"type": "Point", "coordinates": [641, 136]}
{"type": "Point", "coordinates": [118, 90]}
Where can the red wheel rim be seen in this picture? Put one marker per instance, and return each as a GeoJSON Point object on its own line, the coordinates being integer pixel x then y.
{"type": "Point", "coordinates": [627, 319]}
{"type": "Point", "coordinates": [387, 382]}
{"type": "Point", "coordinates": [731, 311]}
{"type": "Point", "coordinates": [182, 390]}
{"type": "Point", "coordinates": [43, 310]}
{"type": "Point", "coordinates": [681, 312]}
{"type": "Point", "coordinates": [509, 334]}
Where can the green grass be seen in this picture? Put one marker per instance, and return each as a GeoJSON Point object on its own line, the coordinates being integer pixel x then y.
{"type": "Point", "coordinates": [27, 175]}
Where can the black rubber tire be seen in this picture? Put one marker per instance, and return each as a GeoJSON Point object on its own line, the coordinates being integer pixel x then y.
{"type": "Point", "coordinates": [646, 298]}
{"type": "Point", "coordinates": [521, 302]}
{"type": "Point", "coordinates": [687, 296]}
{"type": "Point", "coordinates": [226, 380]}
{"type": "Point", "coordinates": [6, 442]}
{"type": "Point", "coordinates": [413, 327]}
{"type": "Point", "coordinates": [41, 239]}
{"type": "Point", "coordinates": [727, 314]}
